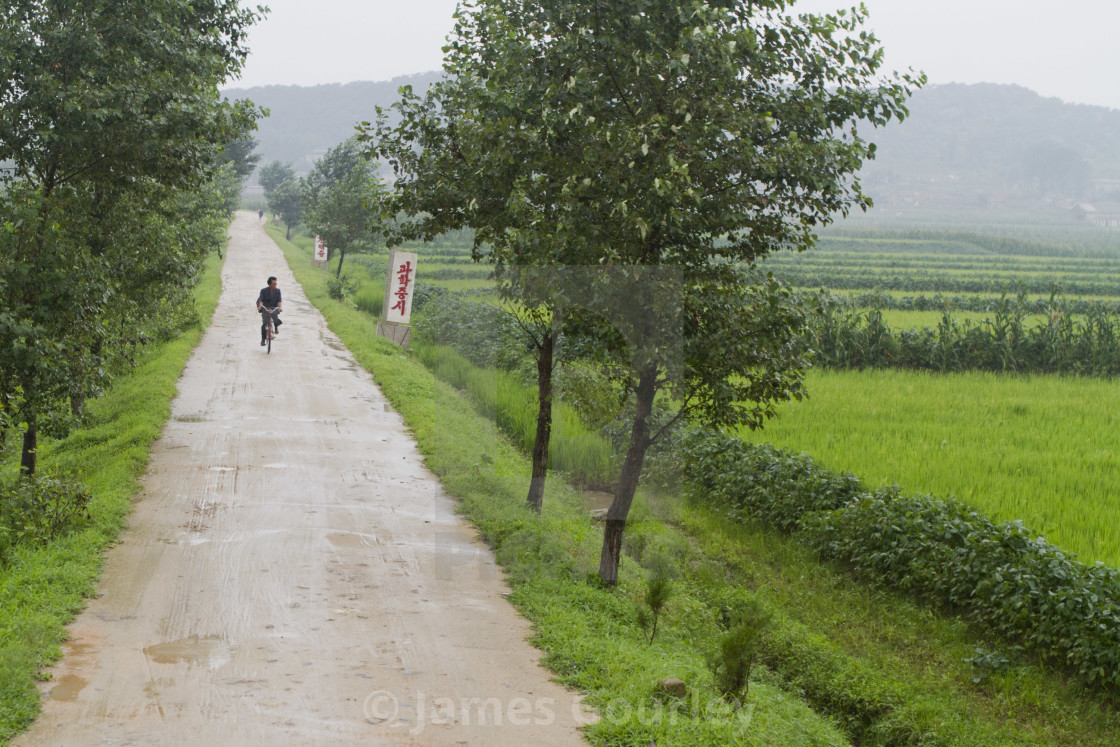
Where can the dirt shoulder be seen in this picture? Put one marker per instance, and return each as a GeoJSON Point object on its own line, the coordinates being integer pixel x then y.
{"type": "Point", "coordinates": [292, 573]}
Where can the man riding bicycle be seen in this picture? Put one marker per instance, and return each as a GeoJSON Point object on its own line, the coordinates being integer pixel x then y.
{"type": "Point", "coordinates": [269, 303]}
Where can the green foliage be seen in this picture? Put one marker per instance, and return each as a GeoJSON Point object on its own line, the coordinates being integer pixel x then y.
{"type": "Point", "coordinates": [341, 287]}
{"type": "Point", "coordinates": [40, 509]}
{"type": "Point", "coordinates": [659, 590]}
{"type": "Point", "coordinates": [273, 174]}
{"type": "Point", "coordinates": [1004, 577]}
{"type": "Point", "coordinates": [342, 202]}
{"type": "Point", "coordinates": [987, 663]}
{"type": "Point", "coordinates": [760, 482]}
{"type": "Point", "coordinates": [1042, 449]}
{"type": "Point", "coordinates": [1087, 344]}
{"type": "Point", "coordinates": [502, 396]}
{"type": "Point", "coordinates": [237, 162]}
{"type": "Point", "coordinates": [123, 158]}
{"type": "Point", "coordinates": [287, 201]}
{"type": "Point", "coordinates": [737, 648]}
{"type": "Point", "coordinates": [43, 585]}
{"type": "Point", "coordinates": [369, 298]}
{"type": "Point", "coordinates": [485, 335]}
{"type": "Point", "coordinates": [650, 141]}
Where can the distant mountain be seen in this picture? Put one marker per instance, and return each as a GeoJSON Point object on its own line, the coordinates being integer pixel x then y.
{"type": "Point", "coordinates": [982, 145]}
{"type": "Point", "coordinates": [988, 144]}
{"type": "Point", "coordinates": [306, 120]}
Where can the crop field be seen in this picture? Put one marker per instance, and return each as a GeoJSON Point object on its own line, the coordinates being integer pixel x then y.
{"type": "Point", "coordinates": [1041, 449]}
{"type": "Point", "coordinates": [1045, 450]}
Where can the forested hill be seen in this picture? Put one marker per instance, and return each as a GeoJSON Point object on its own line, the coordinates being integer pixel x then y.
{"type": "Point", "coordinates": [978, 145]}
{"type": "Point", "coordinates": [306, 120]}
{"type": "Point", "coordinates": [989, 143]}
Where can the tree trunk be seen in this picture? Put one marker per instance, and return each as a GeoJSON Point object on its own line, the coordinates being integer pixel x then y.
{"type": "Point", "coordinates": [341, 259]}
{"type": "Point", "coordinates": [29, 459]}
{"type": "Point", "coordinates": [288, 235]}
{"type": "Point", "coordinates": [535, 499]}
{"type": "Point", "coordinates": [628, 481]}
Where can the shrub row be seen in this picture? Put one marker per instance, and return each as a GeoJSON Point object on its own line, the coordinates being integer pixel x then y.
{"type": "Point", "coordinates": [1086, 344]}
{"type": "Point", "coordinates": [989, 304]}
{"type": "Point", "coordinates": [1001, 575]}
{"type": "Point", "coordinates": [869, 279]}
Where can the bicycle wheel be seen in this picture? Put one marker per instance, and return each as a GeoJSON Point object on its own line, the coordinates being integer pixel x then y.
{"type": "Point", "coordinates": [268, 337]}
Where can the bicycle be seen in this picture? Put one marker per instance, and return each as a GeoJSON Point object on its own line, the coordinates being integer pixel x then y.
{"type": "Point", "coordinates": [270, 328]}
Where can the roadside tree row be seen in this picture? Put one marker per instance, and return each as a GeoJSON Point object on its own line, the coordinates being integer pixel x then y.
{"type": "Point", "coordinates": [618, 161]}
{"type": "Point", "coordinates": [121, 164]}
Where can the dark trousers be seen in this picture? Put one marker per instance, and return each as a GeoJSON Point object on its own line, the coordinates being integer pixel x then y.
{"type": "Point", "coordinates": [275, 313]}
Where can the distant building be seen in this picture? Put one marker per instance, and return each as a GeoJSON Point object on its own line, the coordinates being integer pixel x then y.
{"type": "Point", "coordinates": [1099, 214]}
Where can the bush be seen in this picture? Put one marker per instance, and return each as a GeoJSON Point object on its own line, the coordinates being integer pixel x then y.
{"type": "Point", "coordinates": [1011, 581]}
{"type": "Point", "coordinates": [1007, 579]}
{"type": "Point", "coordinates": [339, 288]}
{"type": "Point", "coordinates": [737, 649]}
{"type": "Point", "coordinates": [40, 509]}
{"type": "Point", "coordinates": [759, 482]}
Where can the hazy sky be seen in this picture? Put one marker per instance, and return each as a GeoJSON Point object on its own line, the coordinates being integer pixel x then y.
{"type": "Point", "coordinates": [1069, 50]}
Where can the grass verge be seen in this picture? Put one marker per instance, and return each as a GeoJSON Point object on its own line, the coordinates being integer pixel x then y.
{"type": "Point", "coordinates": [592, 637]}
{"type": "Point", "coordinates": [880, 668]}
{"type": "Point", "coordinates": [45, 586]}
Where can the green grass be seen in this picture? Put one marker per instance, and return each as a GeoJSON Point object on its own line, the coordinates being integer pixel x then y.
{"type": "Point", "coordinates": [590, 635]}
{"type": "Point", "coordinates": [463, 283]}
{"type": "Point", "coordinates": [843, 663]}
{"type": "Point", "coordinates": [500, 396]}
{"type": "Point", "coordinates": [851, 649]}
{"type": "Point", "coordinates": [1045, 450]}
{"type": "Point", "coordinates": [45, 586]}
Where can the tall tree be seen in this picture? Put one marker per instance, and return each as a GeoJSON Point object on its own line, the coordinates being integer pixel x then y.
{"type": "Point", "coordinates": [273, 174]}
{"type": "Point", "coordinates": [673, 137]}
{"type": "Point", "coordinates": [108, 110]}
{"type": "Point", "coordinates": [343, 199]}
{"type": "Point", "coordinates": [286, 201]}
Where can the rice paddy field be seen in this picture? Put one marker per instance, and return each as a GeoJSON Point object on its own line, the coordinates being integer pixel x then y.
{"type": "Point", "coordinates": [1044, 450]}
{"type": "Point", "coordinates": [1041, 449]}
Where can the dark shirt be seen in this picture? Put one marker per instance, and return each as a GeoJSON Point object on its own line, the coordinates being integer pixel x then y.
{"type": "Point", "coordinates": [269, 297]}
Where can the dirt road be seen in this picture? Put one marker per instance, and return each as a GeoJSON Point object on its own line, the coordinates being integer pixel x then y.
{"type": "Point", "coordinates": [292, 574]}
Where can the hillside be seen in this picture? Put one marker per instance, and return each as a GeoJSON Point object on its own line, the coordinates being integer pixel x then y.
{"type": "Point", "coordinates": [996, 145]}
{"type": "Point", "coordinates": [304, 121]}
{"type": "Point", "coordinates": [982, 146]}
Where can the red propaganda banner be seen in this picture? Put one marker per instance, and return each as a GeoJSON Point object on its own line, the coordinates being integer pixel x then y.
{"type": "Point", "coordinates": [399, 287]}
{"type": "Point", "coordinates": [320, 250]}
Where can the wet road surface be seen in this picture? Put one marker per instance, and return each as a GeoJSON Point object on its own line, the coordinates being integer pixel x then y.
{"type": "Point", "coordinates": [292, 574]}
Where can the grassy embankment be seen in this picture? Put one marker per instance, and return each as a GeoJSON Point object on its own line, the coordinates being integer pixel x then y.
{"type": "Point", "coordinates": [877, 667]}
{"type": "Point", "coordinates": [590, 635]}
{"type": "Point", "coordinates": [45, 586]}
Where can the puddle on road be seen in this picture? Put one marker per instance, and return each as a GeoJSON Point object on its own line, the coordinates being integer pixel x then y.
{"type": "Point", "coordinates": [68, 687]}
{"type": "Point", "coordinates": [211, 652]}
{"type": "Point", "coordinates": [348, 539]}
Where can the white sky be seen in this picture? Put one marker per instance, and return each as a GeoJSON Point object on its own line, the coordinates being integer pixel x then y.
{"type": "Point", "coordinates": [1069, 50]}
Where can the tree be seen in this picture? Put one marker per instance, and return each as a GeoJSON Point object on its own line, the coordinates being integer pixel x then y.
{"type": "Point", "coordinates": [286, 201]}
{"type": "Point", "coordinates": [111, 118]}
{"type": "Point", "coordinates": [666, 141]}
{"type": "Point", "coordinates": [343, 197]}
{"type": "Point", "coordinates": [273, 174]}
{"type": "Point", "coordinates": [237, 162]}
